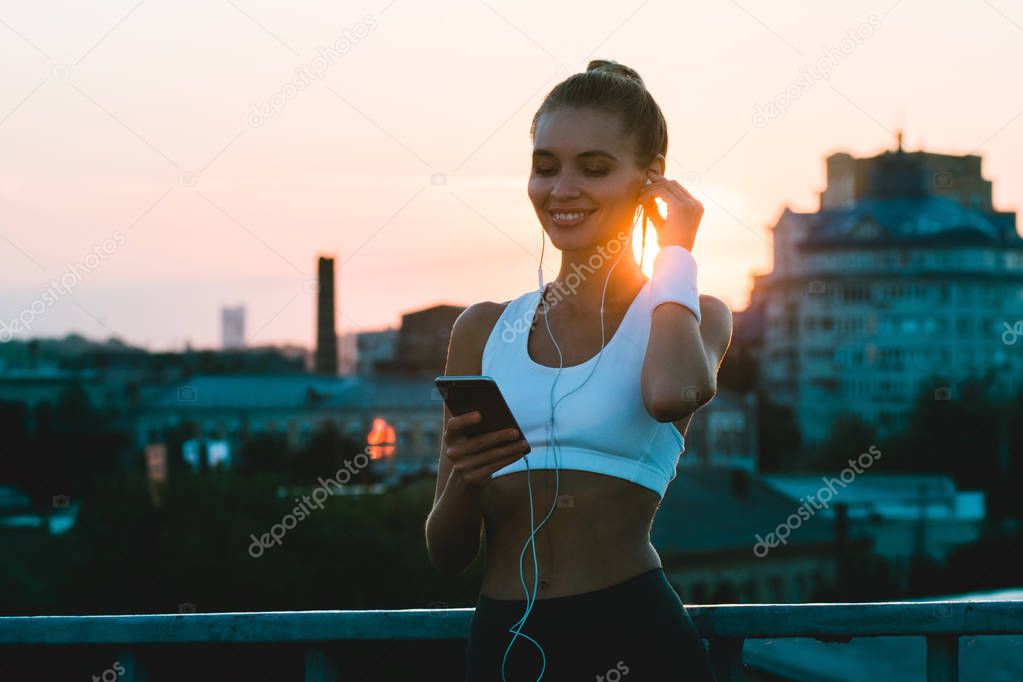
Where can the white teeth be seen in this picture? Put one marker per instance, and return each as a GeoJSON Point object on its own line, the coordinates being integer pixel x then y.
{"type": "Point", "coordinates": [568, 216]}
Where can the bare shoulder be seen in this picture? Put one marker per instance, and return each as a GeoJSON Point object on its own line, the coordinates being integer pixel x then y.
{"type": "Point", "coordinates": [469, 336]}
{"type": "Point", "coordinates": [714, 310]}
{"type": "Point", "coordinates": [715, 323]}
{"type": "Point", "coordinates": [476, 322]}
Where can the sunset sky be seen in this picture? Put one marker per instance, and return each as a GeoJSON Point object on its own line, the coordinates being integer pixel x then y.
{"type": "Point", "coordinates": [138, 119]}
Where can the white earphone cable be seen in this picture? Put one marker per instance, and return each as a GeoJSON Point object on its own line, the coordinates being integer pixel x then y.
{"type": "Point", "coordinates": [551, 439]}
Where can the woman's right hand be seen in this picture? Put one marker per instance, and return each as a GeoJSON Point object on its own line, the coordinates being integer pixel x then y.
{"type": "Point", "coordinates": [474, 459]}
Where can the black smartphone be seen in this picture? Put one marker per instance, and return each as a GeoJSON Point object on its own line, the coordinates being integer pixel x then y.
{"type": "Point", "coordinates": [478, 394]}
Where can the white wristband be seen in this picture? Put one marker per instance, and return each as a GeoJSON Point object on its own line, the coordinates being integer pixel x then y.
{"type": "Point", "coordinates": [674, 279]}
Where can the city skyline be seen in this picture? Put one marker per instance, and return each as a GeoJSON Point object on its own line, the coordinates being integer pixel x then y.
{"type": "Point", "coordinates": [229, 193]}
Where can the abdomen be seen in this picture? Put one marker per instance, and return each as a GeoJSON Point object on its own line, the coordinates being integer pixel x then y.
{"type": "Point", "coordinates": [598, 536]}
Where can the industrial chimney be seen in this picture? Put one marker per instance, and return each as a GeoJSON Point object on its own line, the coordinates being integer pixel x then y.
{"type": "Point", "coordinates": [326, 334]}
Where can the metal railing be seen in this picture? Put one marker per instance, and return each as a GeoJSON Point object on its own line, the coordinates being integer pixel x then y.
{"type": "Point", "coordinates": [725, 627]}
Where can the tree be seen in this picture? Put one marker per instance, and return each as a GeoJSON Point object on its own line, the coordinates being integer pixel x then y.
{"type": "Point", "coordinates": [849, 436]}
{"type": "Point", "coordinates": [15, 458]}
{"type": "Point", "coordinates": [325, 453]}
{"type": "Point", "coordinates": [74, 445]}
{"type": "Point", "coordinates": [777, 435]}
{"type": "Point", "coordinates": [263, 453]}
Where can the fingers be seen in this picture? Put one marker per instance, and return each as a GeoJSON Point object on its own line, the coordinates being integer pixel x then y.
{"type": "Point", "coordinates": [675, 185]}
{"type": "Point", "coordinates": [482, 476]}
{"type": "Point", "coordinates": [477, 469]}
{"type": "Point", "coordinates": [684, 191]}
{"type": "Point", "coordinates": [669, 187]}
{"type": "Point", "coordinates": [688, 195]}
{"type": "Point", "coordinates": [666, 189]}
{"type": "Point", "coordinates": [453, 429]}
{"type": "Point", "coordinates": [464, 447]}
{"type": "Point", "coordinates": [509, 451]}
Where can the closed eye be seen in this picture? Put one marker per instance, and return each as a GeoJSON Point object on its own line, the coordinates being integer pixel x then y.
{"type": "Point", "coordinates": [591, 172]}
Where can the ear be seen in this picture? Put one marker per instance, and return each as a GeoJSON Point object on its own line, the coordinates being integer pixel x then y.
{"type": "Point", "coordinates": [658, 165]}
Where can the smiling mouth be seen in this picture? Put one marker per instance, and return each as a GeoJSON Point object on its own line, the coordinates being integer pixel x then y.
{"type": "Point", "coordinates": [569, 218]}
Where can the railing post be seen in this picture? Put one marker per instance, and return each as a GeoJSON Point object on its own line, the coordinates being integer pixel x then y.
{"type": "Point", "coordinates": [133, 670]}
{"type": "Point", "coordinates": [319, 666]}
{"type": "Point", "coordinates": [726, 657]}
{"type": "Point", "coordinates": [943, 658]}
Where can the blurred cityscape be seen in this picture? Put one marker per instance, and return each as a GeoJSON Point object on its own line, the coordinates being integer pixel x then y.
{"type": "Point", "coordinates": [865, 442]}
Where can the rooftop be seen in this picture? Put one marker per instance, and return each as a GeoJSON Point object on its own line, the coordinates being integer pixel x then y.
{"type": "Point", "coordinates": [743, 506]}
{"type": "Point", "coordinates": [287, 391]}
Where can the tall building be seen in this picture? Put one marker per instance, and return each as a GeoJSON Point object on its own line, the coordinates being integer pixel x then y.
{"type": "Point", "coordinates": [374, 349]}
{"type": "Point", "coordinates": [348, 353]}
{"type": "Point", "coordinates": [326, 333]}
{"type": "Point", "coordinates": [904, 273]}
{"type": "Point", "coordinates": [420, 347]}
{"type": "Point", "coordinates": [423, 339]}
{"type": "Point", "coordinates": [723, 433]}
{"type": "Point", "coordinates": [232, 327]}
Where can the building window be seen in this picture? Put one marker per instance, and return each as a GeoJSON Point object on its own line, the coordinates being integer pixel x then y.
{"type": "Point", "coordinates": [855, 293]}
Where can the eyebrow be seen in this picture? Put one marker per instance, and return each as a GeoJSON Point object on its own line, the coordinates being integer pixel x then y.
{"type": "Point", "coordinates": [582, 155]}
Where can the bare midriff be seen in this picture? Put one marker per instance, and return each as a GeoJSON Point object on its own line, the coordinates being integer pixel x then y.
{"type": "Point", "coordinates": [597, 536]}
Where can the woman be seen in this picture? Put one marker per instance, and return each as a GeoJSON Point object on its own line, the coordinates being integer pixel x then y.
{"type": "Point", "coordinates": [602, 607]}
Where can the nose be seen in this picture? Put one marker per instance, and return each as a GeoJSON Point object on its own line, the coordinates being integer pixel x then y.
{"type": "Point", "coordinates": [565, 188]}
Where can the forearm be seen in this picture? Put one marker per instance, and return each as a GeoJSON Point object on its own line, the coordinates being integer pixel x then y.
{"type": "Point", "coordinates": [453, 527]}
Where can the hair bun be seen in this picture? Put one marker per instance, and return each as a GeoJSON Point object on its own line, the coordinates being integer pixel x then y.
{"type": "Point", "coordinates": [611, 66]}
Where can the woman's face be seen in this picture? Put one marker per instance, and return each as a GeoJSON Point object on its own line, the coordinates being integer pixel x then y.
{"type": "Point", "coordinates": [582, 162]}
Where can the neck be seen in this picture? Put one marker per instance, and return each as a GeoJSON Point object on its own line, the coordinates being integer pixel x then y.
{"type": "Point", "coordinates": [579, 286]}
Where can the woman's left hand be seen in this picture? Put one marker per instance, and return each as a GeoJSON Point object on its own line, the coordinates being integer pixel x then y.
{"type": "Point", "coordinates": [679, 226]}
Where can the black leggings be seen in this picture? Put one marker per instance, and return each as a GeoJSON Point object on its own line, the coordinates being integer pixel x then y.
{"type": "Point", "coordinates": [634, 631]}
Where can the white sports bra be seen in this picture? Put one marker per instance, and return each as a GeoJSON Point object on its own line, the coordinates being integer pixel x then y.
{"type": "Point", "coordinates": [602, 427]}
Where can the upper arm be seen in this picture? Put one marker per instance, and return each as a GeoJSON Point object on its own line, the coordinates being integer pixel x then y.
{"type": "Point", "coordinates": [715, 331]}
{"type": "Point", "coordinates": [469, 335]}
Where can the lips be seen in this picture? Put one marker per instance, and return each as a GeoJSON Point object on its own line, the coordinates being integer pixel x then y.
{"type": "Point", "coordinates": [560, 216]}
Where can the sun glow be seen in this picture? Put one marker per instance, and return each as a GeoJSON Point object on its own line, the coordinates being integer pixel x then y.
{"type": "Point", "coordinates": [651, 241]}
